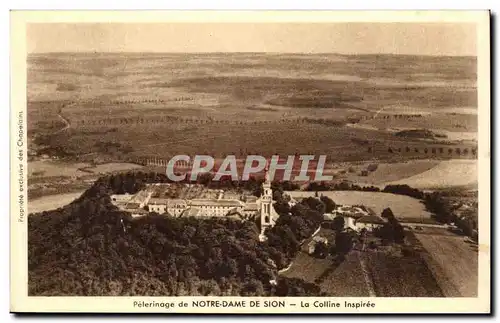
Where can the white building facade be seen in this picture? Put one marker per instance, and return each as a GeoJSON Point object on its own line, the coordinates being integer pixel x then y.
{"type": "Point", "coordinates": [143, 203]}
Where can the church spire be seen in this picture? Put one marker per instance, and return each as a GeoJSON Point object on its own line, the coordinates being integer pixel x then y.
{"type": "Point", "coordinates": [266, 201]}
{"type": "Point", "coordinates": [266, 176]}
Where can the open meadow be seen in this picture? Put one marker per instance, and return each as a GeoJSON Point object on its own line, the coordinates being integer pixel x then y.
{"type": "Point", "coordinates": [49, 168]}
{"type": "Point", "coordinates": [51, 202]}
{"type": "Point", "coordinates": [425, 174]}
{"type": "Point", "coordinates": [53, 178]}
{"type": "Point", "coordinates": [388, 172]}
{"type": "Point", "coordinates": [444, 175]}
{"type": "Point", "coordinates": [402, 206]}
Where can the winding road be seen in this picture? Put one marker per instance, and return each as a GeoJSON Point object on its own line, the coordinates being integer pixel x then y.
{"type": "Point", "coordinates": [67, 125]}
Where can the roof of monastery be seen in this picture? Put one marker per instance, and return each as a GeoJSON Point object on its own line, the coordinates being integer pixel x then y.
{"type": "Point", "coordinates": [168, 202]}
{"type": "Point", "coordinates": [251, 207]}
{"type": "Point", "coordinates": [370, 219]}
{"type": "Point", "coordinates": [192, 211]}
{"type": "Point", "coordinates": [251, 198]}
{"type": "Point", "coordinates": [140, 211]}
{"type": "Point", "coordinates": [196, 202]}
{"type": "Point", "coordinates": [214, 202]}
{"type": "Point", "coordinates": [133, 205]}
{"type": "Point", "coordinates": [141, 196]}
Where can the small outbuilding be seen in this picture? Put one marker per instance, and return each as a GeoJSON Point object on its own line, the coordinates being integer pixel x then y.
{"type": "Point", "coordinates": [369, 222]}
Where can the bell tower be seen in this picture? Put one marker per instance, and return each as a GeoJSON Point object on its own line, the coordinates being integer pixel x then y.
{"type": "Point", "coordinates": [266, 201]}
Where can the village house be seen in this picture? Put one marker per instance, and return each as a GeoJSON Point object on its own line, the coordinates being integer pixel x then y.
{"type": "Point", "coordinates": [368, 222]}
{"type": "Point", "coordinates": [311, 247]}
{"type": "Point", "coordinates": [350, 214]}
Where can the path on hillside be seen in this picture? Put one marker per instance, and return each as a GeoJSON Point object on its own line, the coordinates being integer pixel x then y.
{"type": "Point", "coordinates": [67, 124]}
{"type": "Point", "coordinates": [366, 275]}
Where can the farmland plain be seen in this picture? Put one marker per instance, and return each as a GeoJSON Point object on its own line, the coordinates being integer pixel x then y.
{"type": "Point", "coordinates": [121, 106]}
{"type": "Point", "coordinates": [95, 113]}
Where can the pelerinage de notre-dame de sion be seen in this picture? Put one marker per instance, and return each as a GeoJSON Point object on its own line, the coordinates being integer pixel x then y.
{"type": "Point", "coordinates": [181, 200]}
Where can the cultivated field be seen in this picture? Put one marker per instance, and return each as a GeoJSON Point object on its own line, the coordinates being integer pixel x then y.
{"type": "Point", "coordinates": [337, 280]}
{"type": "Point", "coordinates": [391, 172]}
{"type": "Point", "coordinates": [48, 168]}
{"type": "Point", "coordinates": [446, 174]}
{"type": "Point", "coordinates": [388, 274]}
{"type": "Point", "coordinates": [394, 276]}
{"type": "Point", "coordinates": [402, 206]}
{"type": "Point", "coordinates": [434, 120]}
{"type": "Point", "coordinates": [51, 202]}
{"type": "Point", "coordinates": [52, 178]}
{"type": "Point", "coordinates": [346, 280]}
{"type": "Point", "coordinates": [89, 107]}
{"type": "Point", "coordinates": [343, 279]}
{"type": "Point", "coordinates": [112, 167]}
{"type": "Point", "coordinates": [453, 261]}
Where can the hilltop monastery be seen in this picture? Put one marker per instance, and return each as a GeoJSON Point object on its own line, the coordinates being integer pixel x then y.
{"type": "Point", "coordinates": [181, 200]}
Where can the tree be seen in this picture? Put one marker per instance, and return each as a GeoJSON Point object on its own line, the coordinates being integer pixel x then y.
{"type": "Point", "coordinates": [392, 231]}
{"type": "Point", "coordinates": [343, 243]}
{"type": "Point", "coordinates": [329, 204]}
{"type": "Point", "coordinates": [281, 207]}
{"type": "Point", "coordinates": [398, 232]}
{"type": "Point", "coordinates": [253, 288]}
{"type": "Point", "coordinates": [314, 204]}
{"type": "Point", "coordinates": [321, 249]}
{"type": "Point", "coordinates": [387, 213]}
{"type": "Point", "coordinates": [338, 223]}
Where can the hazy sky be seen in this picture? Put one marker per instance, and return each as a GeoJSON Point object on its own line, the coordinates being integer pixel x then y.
{"type": "Point", "coordinates": [344, 38]}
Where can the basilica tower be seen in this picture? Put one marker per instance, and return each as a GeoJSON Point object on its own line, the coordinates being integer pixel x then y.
{"type": "Point", "coordinates": [266, 201]}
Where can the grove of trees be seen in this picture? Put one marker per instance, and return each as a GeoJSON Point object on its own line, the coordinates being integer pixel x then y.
{"type": "Point", "coordinates": [91, 248]}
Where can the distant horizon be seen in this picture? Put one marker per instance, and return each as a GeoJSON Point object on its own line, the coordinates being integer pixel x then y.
{"type": "Point", "coordinates": [235, 52]}
{"type": "Point", "coordinates": [414, 39]}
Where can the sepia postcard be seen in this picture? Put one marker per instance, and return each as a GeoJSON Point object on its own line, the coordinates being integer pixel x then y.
{"type": "Point", "coordinates": [250, 162]}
